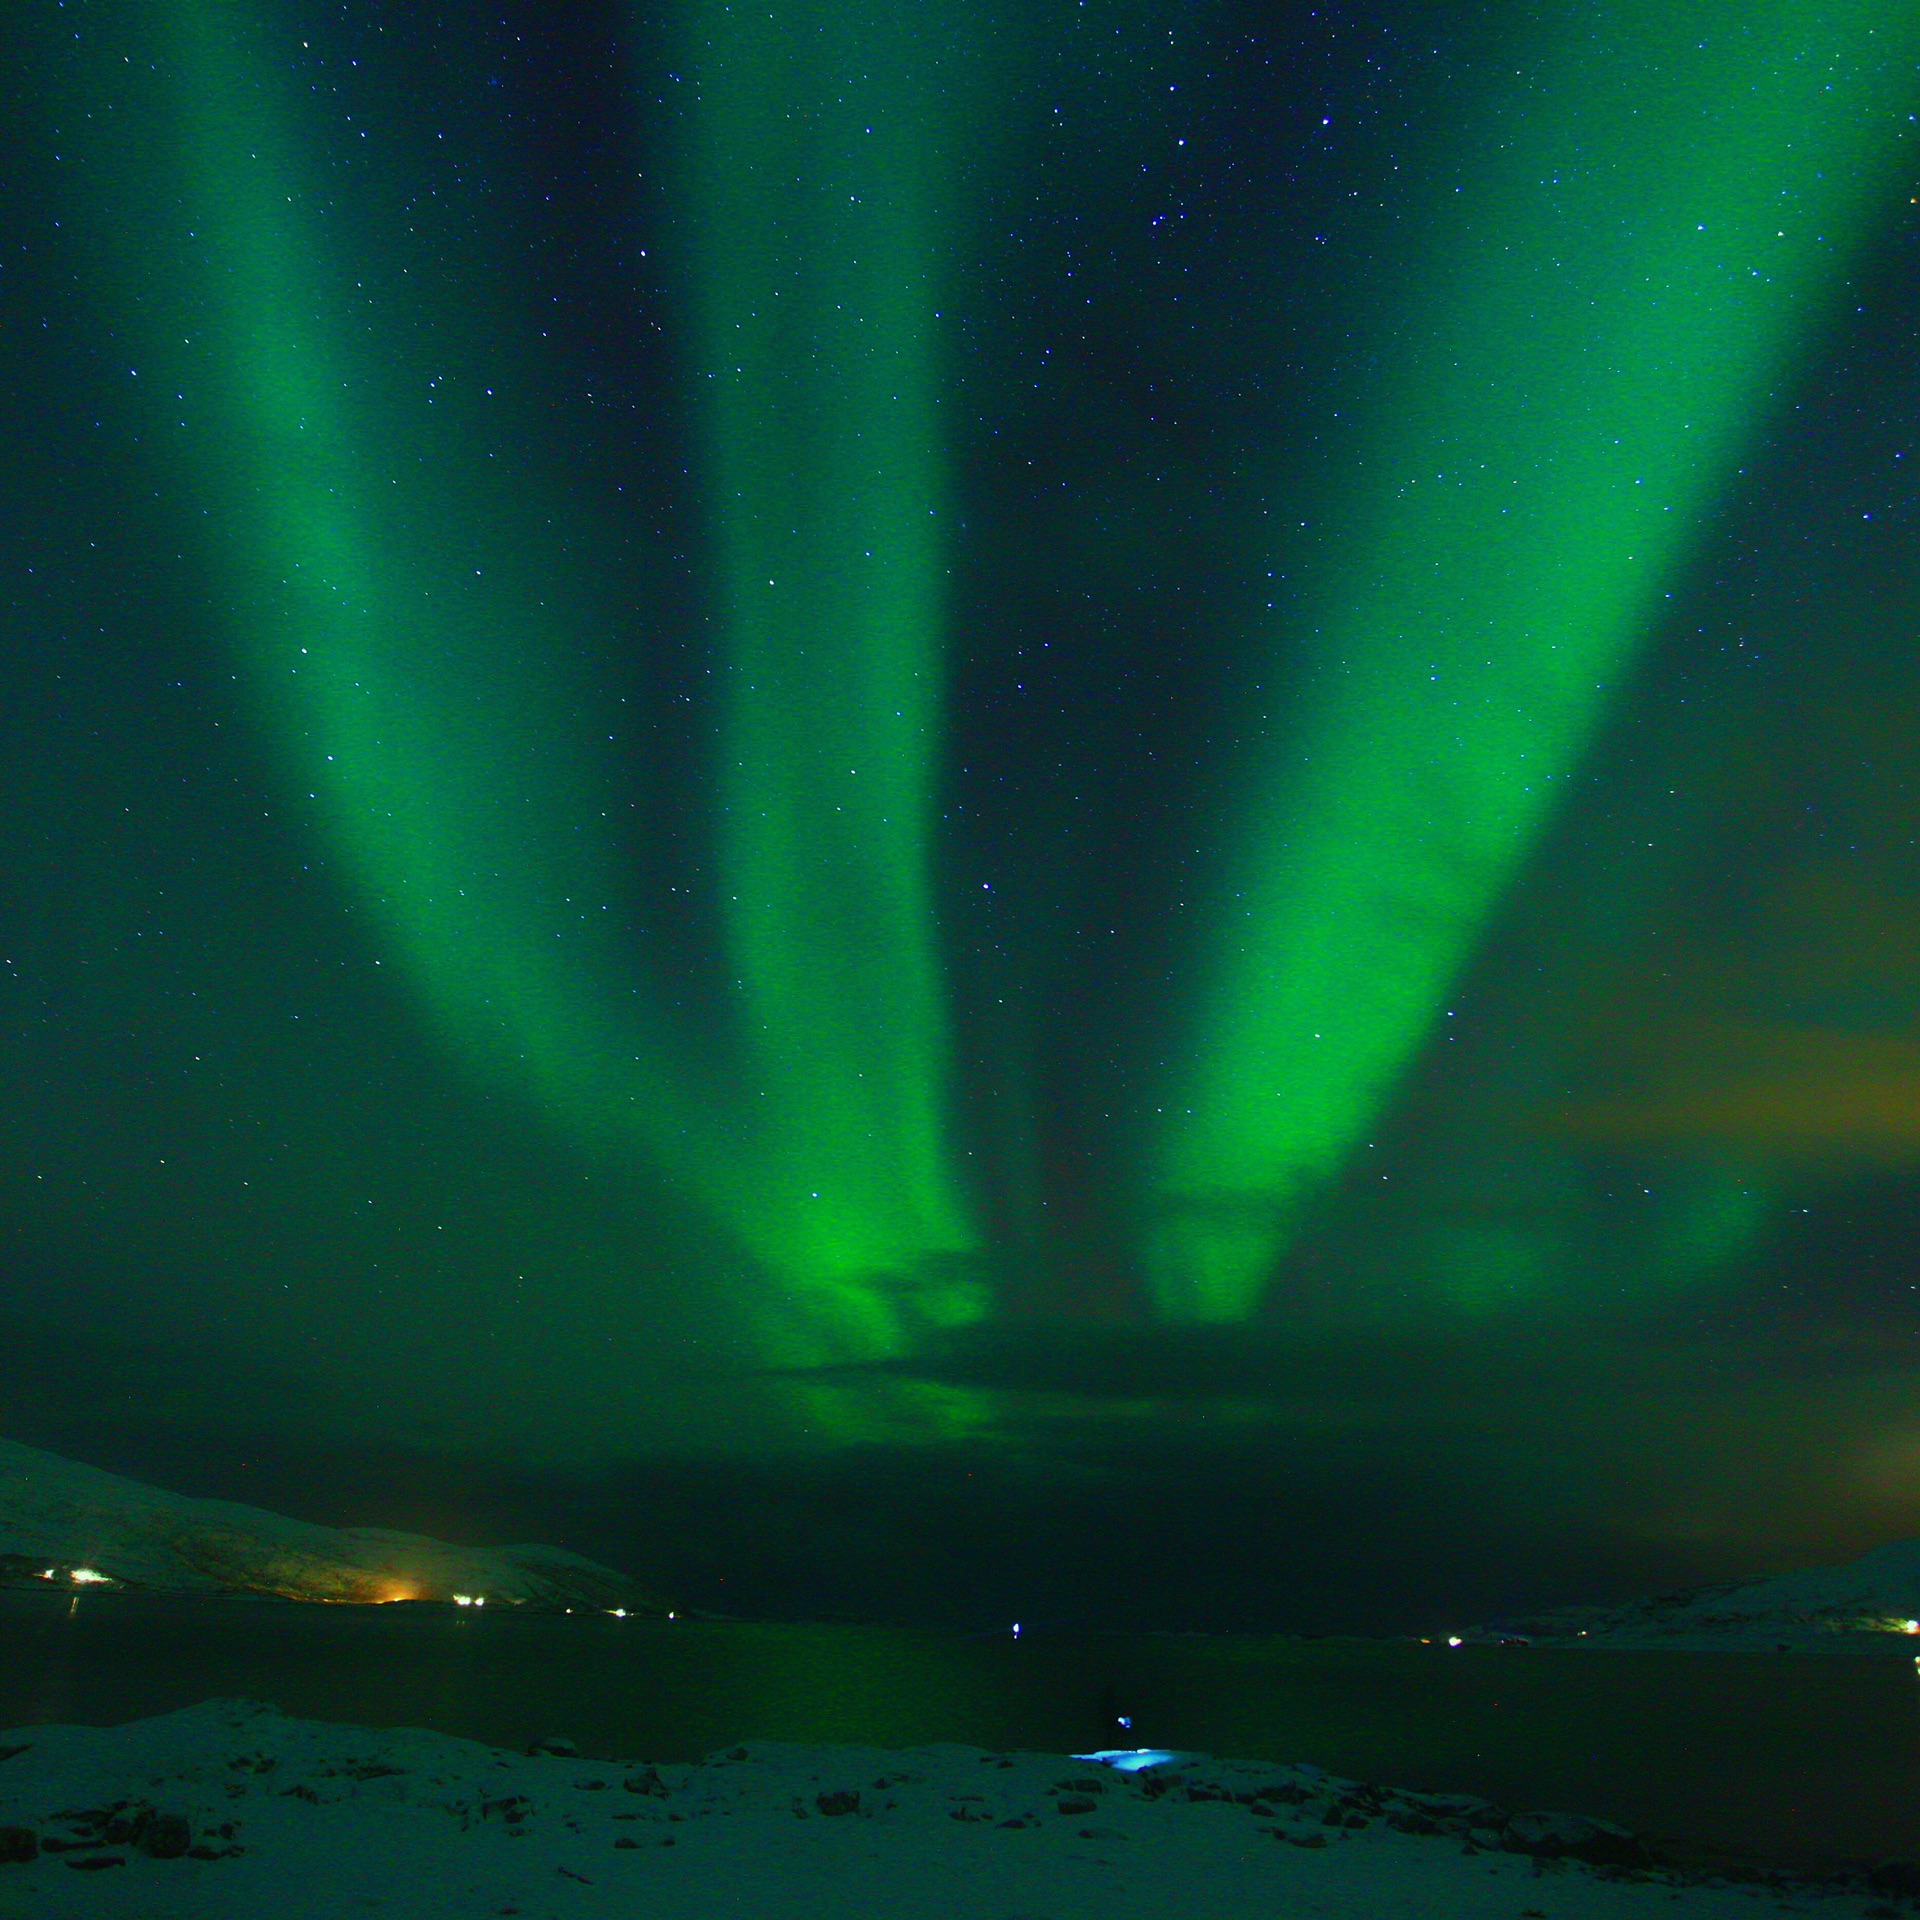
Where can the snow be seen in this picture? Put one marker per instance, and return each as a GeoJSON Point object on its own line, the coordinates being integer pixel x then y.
{"type": "Point", "coordinates": [302, 1819]}
{"type": "Point", "coordinates": [1870, 1603]}
{"type": "Point", "coordinates": [76, 1525]}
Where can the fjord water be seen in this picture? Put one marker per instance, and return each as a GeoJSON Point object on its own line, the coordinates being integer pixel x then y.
{"type": "Point", "coordinates": [1789, 1758]}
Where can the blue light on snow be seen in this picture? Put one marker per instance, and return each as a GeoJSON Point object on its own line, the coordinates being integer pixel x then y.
{"type": "Point", "coordinates": [1132, 1759]}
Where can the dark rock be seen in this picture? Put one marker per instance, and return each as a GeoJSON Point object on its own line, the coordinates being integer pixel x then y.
{"type": "Point", "coordinates": [1572, 1836]}
{"type": "Point", "coordinates": [1285, 1793]}
{"type": "Point", "coordinates": [626, 1840]}
{"type": "Point", "coordinates": [1464, 1809]}
{"type": "Point", "coordinates": [90, 1817]}
{"type": "Point", "coordinates": [88, 1862]}
{"type": "Point", "coordinates": [1412, 1820]}
{"type": "Point", "coordinates": [168, 1836]}
{"type": "Point", "coordinates": [1077, 1803]}
{"type": "Point", "coordinates": [846, 1800]}
{"type": "Point", "coordinates": [555, 1748]}
{"type": "Point", "coordinates": [646, 1780]}
{"type": "Point", "coordinates": [1895, 1876]}
{"type": "Point", "coordinates": [18, 1845]}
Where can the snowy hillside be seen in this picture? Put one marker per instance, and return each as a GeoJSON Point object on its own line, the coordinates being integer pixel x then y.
{"type": "Point", "coordinates": [75, 1525]}
{"type": "Point", "coordinates": [1872, 1601]}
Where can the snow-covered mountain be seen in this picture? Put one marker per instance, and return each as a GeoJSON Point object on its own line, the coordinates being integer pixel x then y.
{"type": "Point", "coordinates": [74, 1525]}
{"type": "Point", "coordinates": [1872, 1601]}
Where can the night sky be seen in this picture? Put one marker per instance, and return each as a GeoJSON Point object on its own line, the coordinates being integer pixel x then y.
{"type": "Point", "coordinates": [1052, 808]}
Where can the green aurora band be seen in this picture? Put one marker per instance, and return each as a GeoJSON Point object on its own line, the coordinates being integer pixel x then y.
{"type": "Point", "coordinates": [419, 710]}
{"type": "Point", "coordinates": [812, 169]}
{"type": "Point", "coordinates": [1592, 327]}
{"type": "Point", "coordinates": [1643, 227]}
{"type": "Point", "coordinates": [430, 705]}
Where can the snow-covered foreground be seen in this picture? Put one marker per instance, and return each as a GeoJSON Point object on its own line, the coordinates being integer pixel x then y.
{"type": "Point", "coordinates": [231, 1808]}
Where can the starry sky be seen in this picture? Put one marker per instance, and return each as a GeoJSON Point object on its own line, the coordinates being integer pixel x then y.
{"type": "Point", "coordinates": [1049, 805]}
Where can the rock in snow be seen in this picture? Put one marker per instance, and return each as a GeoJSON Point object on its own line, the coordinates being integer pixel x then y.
{"type": "Point", "coordinates": [74, 1524]}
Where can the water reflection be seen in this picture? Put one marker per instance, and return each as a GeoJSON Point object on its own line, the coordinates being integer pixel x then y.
{"type": "Point", "coordinates": [1793, 1758]}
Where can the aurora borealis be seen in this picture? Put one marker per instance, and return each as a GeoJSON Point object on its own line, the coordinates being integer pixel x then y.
{"type": "Point", "coordinates": [814, 171]}
{"type": "Point", "coordinates": [1005, 741]}
{"type": "Point", "coordinates": [1598, 312]}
